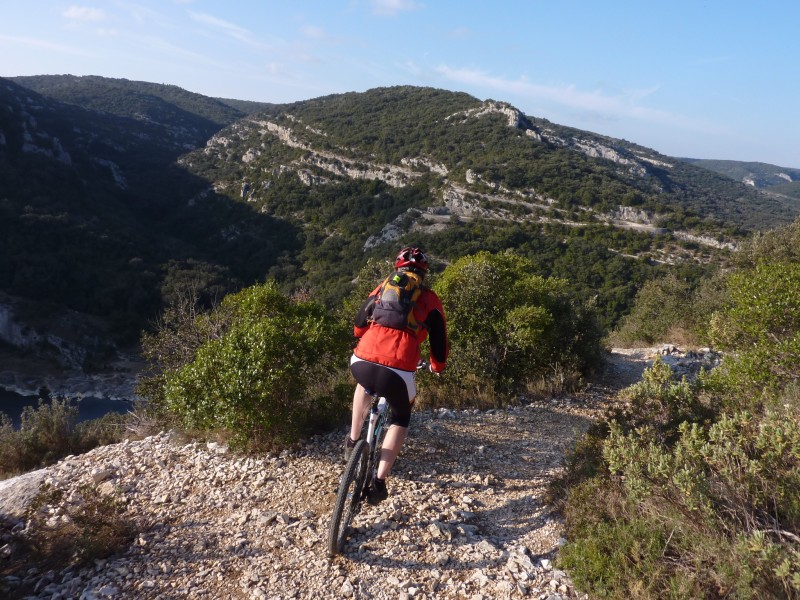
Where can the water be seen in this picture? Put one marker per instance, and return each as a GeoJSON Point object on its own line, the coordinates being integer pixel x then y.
{"type": "Point", "coordinates": [12, 404]}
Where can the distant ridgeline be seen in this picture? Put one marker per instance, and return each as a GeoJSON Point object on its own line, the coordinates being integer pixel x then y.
{"type": "Point", "coordinates": [778, 180]}
{"type": "Point", "coordinates": [117, 196]}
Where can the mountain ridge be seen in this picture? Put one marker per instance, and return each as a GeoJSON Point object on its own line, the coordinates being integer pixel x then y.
{"type": "Point", "coordinates": [117, 207]}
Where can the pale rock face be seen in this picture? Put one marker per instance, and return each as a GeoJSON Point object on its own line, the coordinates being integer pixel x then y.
{"type": "Point", "coordinates": [434, 167]}
{"type": "Point", "coordinates": [705, 240]}
{"type": "Point", "coordinates": [634, 215]}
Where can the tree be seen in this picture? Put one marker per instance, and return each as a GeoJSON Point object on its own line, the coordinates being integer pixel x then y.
{"type": "Point", "coordinates": [508, 325]}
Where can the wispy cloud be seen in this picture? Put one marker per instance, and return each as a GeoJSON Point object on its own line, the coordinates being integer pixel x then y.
{"type": "Point", "coordinates": [44, 44]}
{"type": "Point", "coordinates": [84, 13]}
{"type": "Point", "coordinates": [230, 29]}
{"type": "Point", "coordinates": [392, 7]}
{"type": "Point", "coordinates": [616, 107]}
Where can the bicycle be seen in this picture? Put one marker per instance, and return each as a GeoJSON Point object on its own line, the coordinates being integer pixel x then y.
{"type": "Point", "coordinates": [361, 470]}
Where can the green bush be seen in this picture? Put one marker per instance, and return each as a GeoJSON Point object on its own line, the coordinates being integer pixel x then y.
{"type": "Point", "coordinates": [669, 309]}
{"type": "Point", "coordinates": [760, 327]}
{"type": "Point", "coordinates": [509, 327]}
{"type": "Point", "coordinates": [271, 374]}
{"type": "Point", "coordinates": [710, 469]}
{"type": "Point", "coordinates": [50, 432]}
{"type": "Point", "coordinates": [661, 403]}
{"type": "Point", "coordinates": [714, 493]}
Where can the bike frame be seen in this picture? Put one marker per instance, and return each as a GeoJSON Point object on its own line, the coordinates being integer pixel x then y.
{"type": "Point", "coordinates": [377, 422]}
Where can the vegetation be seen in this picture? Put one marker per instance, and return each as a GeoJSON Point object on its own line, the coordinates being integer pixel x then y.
{"type": "Point", "coordinates": [690, 490]}
{"type": "Point", "coordinates": [50, 432]}
{"type": "Point", "coordinates": [63, 533]}
{"type": "Point", "coordinates": [261, 369]}
{"type": "Point", "coordinates": [762, 175]}
{"type": "Point", "coordinates": [508, 326]}
{"type": "Point", "coordinates": [126, 219]}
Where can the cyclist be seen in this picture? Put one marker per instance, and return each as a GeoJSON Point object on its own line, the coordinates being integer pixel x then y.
{"type": "Point", "coordinates": [385, 362]}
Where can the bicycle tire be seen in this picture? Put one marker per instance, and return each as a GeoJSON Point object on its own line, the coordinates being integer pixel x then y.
{"type": "Point", "coordinates": [348, 498]}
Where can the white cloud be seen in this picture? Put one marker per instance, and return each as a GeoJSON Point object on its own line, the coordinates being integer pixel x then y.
{"type": "Point", "coordinates": [392, 7]}
{"type": "Point", "coordinates": [615, 107]}
{"type": "Point", "coordinates": [84, 13]}
{"type": "Point", "coordinates": [238, 33]}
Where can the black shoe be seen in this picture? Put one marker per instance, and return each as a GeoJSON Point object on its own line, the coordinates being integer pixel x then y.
{"type": "Point", "coordinates": [348, 447]}
{"type": "Point", "coordinates": [377, 493]}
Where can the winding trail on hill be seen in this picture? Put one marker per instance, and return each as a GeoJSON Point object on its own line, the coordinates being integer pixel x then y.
{"type": "Point", "coordinates": [466, 516]}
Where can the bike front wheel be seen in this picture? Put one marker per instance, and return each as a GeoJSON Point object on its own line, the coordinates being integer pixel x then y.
{"type": "Point", "coordinates": [349, 498]}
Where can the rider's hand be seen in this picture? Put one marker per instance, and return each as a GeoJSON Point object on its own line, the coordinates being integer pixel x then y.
{"type": "Point", "coordinates": [430, 368]}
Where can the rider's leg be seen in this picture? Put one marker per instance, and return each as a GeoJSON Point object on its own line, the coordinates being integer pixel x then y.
{"type": "Point", "coordinates": [361, 404]}
{"type": "Point", "coordinates": [392, 443]}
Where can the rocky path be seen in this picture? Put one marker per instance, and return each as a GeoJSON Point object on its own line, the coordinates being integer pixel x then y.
{"type": "Point", "coordinates": [466, 516]}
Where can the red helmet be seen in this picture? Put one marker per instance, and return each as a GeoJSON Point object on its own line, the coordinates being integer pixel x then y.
{"type": "Point", "coordinates": [411, 257]}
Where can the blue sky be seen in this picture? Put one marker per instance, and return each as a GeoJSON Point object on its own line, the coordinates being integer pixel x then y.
{"type": "Point", "coordinates": [703, 79]}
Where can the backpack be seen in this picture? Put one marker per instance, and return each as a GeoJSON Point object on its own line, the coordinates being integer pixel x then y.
{"type": "Point", "coordinates": [396, 299]}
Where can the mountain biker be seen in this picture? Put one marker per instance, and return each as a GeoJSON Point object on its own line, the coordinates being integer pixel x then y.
{"type": "Point", "coordinates": [385, 362]}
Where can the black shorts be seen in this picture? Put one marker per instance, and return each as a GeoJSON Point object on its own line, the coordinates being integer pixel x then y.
{"type": "Point", "coordinates": [385, 382]}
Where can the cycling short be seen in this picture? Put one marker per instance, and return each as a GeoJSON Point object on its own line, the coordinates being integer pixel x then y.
{"type": "Point", "coordinates": [398, 387]}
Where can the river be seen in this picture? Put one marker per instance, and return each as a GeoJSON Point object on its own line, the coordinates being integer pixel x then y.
{"type": "Point", "coordinates": [12, 404]}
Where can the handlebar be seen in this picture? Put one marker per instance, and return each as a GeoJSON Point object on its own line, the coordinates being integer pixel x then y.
{"type": "Point", "coordinates": [423, 364]}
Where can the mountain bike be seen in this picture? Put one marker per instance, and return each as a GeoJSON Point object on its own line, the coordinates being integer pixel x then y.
{"type": "Point", "coordinates": [361, 470]}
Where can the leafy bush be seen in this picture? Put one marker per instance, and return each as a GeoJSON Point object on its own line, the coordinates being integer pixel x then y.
{"type": "Point", "coordinates": [668, 309]}
{"type": "Point", "coordinates": [760, 326]}
{"type": "Point", "coordinates": [711, 468]}
{"type": "Point", "coordinates": [50, 432]}
{"type": "Point", "coordinates": [268, 371]}
{"type": "Point", "coordinates": [687, 501]}
{"type": "Point", "coordinates": [663, 404]}
{"type": "Point", "coordinates": [508, 326]}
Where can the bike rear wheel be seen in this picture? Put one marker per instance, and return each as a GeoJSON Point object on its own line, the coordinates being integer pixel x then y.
{"type": "Point", "coordinates": [349, 498]}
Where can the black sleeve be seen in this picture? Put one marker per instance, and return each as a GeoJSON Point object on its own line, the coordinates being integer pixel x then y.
{"type": "Point", "coordinates": [365, 312]}
{"type": "Point", "coordinates": [438, 335]}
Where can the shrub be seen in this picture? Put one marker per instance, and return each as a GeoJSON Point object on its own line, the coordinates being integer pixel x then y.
{"type": "Point", "coordinates": [760, 327]}
{"type": "Point", "coordinates": [50, 432]}
{"type": "Point", "coordinates": [508, 326]}
{"type": "Point", "coordinates": [711, 469]}
{"type": "Point", "coordinates": [63, 533]}
{"type": "Point", "coordinates": [669, 309]}
{"type": "Point", "coordinates": [715, 497]}
{"type": "Point", "coordinates": [661, 403]}
{"type": "Point", "coordinates": [271, 374]}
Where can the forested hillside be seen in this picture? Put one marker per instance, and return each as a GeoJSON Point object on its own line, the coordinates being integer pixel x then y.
{"type": "Point", "coordinates": [756, 174]}
{"type": "Point", "coordinates": [116, 194]}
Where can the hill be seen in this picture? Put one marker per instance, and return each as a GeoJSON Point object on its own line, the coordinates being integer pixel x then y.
{"type": "Point", "coordinates": [93, 208]}
{"type": "Point", "coordinates": [756, 174]}
{"type": "Point", "coordinates": [118, 196]}
{"type": "Point", "coordinates": [781, 182]}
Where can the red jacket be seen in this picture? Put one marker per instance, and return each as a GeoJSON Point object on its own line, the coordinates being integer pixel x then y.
{"type": "Point", "coordinates": [400, 348]}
